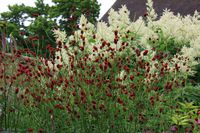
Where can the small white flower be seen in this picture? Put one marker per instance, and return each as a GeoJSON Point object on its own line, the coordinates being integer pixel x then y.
{"type": "Point", "coordinates": [124, 15]}
{"type": "Point", "coordinates": [83, 21]}
{"type": "Point", "coordinates": [105, 32]}
{"type": "Point", "coordinates": [150, 11]}
{"type": "Point", "coordinates": [60, 35]}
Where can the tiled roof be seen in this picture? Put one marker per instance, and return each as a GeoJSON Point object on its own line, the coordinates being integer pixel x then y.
{"type": "Point", "coordinates": [138, 7]}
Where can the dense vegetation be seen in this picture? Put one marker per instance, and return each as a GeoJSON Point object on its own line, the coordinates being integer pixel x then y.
{"type": "Point", "coordinates": [32, 26]}
{"type": "Point", "coordinates": [118, 78]}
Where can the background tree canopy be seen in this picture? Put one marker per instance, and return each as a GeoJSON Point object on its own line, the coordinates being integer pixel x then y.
{"type": "Point", "coordinates": [42, 18]}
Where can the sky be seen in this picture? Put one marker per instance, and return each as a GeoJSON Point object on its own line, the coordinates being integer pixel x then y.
{"type": "Point", "coordinates": [105, 4]}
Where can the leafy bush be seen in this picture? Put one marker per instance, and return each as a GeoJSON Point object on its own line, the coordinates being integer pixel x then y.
{"type": "Point", "coordinates": [190, 94]}
{"type": "Point", "coordinates": [186, 118]}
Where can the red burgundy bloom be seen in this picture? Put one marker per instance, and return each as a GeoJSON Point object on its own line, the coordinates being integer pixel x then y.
{"type": "Point", "coordinates": [120, 101]}
{"type": "Point", "coordinates": [41, 130]}
{"type": "Point", "coordinates": [30, 130]}
{"type": "Point", "coordinates": [16, 90]}
{"type": "Point", "coordinates": [132, 94]}
{"type": "Point", "coordinates": [145, 52]}
{"type": "Point", "coordinates": [137, 52]}
{"type": "Point", "coordinates": [131, 77]}
{"type": "Point", "coordinates": [127, 69]}
{"type": "Point", "coordinates": [59, 106]}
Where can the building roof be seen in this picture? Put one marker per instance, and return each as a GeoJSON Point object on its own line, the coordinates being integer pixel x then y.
{"type": "Point", "coordinates": [138, 7]}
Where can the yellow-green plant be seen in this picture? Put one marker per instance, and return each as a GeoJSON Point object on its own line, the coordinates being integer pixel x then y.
{"type": "Point", "coordinates": [186, 116]}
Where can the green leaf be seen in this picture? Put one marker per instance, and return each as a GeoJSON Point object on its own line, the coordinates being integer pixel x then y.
{"type": "Point", "coordinates": [91, 40]}
{"type": "Point", "coordinates": [184, 122]}
{"type": "Point", "coordinates": [124, 39]}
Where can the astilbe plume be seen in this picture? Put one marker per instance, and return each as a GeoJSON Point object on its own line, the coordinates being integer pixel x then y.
{"type": "Point", "coordinates": [122, 24]}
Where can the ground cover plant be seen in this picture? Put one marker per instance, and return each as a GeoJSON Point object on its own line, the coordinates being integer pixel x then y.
{"type": "Point", "coordinates": [122, 77]}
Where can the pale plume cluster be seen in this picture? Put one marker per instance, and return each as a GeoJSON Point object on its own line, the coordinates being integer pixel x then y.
{"type": "Point", "coordinates": [151, 14]}
{"type": "Point", "coordinates": [183, 29]}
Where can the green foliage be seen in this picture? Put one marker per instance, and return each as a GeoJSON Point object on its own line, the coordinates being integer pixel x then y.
{"type": "Point", "coordinates": [195, 78]}
{"type": "Point", "coordinates": [96, 84]}
{"type": "Point", "coordinates": [40, 25]}
{"type": "Point", "coordinates": [190, 94]}
{"type": "Point", "coordinates": [70, 12]}
{"type": "Point", "coordinates": [162, 43]}
{"type": "Point", "coordinates": [43, 18]}
{"type": "Point", "coordinates": [185, 116]}
{"type": "Point", "coordinates": [114, 94]}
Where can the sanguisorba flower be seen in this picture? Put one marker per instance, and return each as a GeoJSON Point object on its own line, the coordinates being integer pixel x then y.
{"type": "Point", "coordinates": [16, 90]}
{"type": "Point", "coordinates": [30, 130]}
{"type": "Point", "coordinates": [41, 130]}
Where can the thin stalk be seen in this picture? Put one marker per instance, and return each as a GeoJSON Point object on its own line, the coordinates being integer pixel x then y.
{"type": "Point", "coordinates": [5, 103]}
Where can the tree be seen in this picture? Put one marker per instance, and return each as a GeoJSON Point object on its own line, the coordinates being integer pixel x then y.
{"type": "Point", "coordinates": [42, 18]}
{"type": "Point", "coordinates": [37, 34]}
{"type": "Point", "coordinates": [70, 12]}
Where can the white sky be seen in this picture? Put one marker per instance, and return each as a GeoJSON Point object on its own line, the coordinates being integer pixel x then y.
{"type": "Point", "coordinates": [105, 4]}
